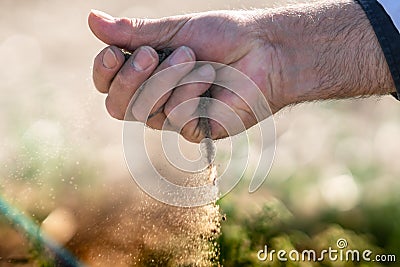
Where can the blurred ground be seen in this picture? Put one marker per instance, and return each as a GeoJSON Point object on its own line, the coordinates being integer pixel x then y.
{"type": "Point", "coordinates": [335, 174]}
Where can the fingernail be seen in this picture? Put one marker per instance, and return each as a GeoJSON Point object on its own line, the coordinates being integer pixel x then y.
{"type": "Point", "coordinates": [102, 15]}
{"type": "Point", "coordinates": [109, 59]}
{"type": "Point", "coordinates": [181, 55]}
{"type": "Point", "coordinates": [143, 59]}
{"type": "Point", "coordinates": [205, 70]}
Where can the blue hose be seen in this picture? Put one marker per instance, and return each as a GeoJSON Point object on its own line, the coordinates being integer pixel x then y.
{"type": "Point", "coordinates": [61, 256]}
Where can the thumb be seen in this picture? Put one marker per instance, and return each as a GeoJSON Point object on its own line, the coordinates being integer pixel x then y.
{"type": "Point", "coordinates": [132, 33]}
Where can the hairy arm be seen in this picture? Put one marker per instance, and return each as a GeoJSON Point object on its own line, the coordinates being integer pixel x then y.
{"type": "Point", "coordinates": [315, 51]}
{"type": "Point", "coordinates": [328, 50]}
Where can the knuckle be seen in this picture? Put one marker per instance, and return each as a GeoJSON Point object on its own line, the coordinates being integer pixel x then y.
{"type": "Point", "coordinates": [99, 84]}
{"type": "Point", "coordinates": [135, 23]}
{"type": "Point", "coordinates": [192, 133]}
{"type": "Point", "coordinates": [97, 77]}
{"type": "Point", "coordinates": [189, 138]}
{"type": "Point", "coordinates": [153, 124]}
{"type": "Point", "coordinates": [133, 27]}
{"type": "Point", "coordinates": [176, 115]}
{"type": "Point", "coordinates": [169, 106]}
{"type": "Point", "coordinates": [113, 109]}
{"type": "Point", "coordinates": [121, 80]}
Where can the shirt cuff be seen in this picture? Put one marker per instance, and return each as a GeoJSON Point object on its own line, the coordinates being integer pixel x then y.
{"type": "Point", "coordinates": [388, 37]}
{"type": "Point", "coordinates": [392, 8]}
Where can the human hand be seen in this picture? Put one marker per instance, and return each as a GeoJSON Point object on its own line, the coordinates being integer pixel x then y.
{"type": "Point", "coordinates": [315, 51]}
{"type": "Point", "coordinates": [230, 38]}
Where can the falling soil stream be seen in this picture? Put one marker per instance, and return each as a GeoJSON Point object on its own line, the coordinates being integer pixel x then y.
{"type": "Point", "coordinates": [178, 236]}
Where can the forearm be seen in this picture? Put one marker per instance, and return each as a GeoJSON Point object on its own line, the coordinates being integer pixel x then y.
{"type": "Point", "coordinates": [328, 51]}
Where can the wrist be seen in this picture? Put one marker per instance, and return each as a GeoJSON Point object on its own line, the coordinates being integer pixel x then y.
{"type": "Point", "coordinates": [327, 50]}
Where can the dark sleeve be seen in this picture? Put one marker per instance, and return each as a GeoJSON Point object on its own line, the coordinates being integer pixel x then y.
{"type": "Point", "coordinates": [388, 37]}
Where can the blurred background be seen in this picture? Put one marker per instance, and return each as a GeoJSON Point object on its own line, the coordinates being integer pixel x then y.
{"type": "Point", "coordinates": [335, 174]}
